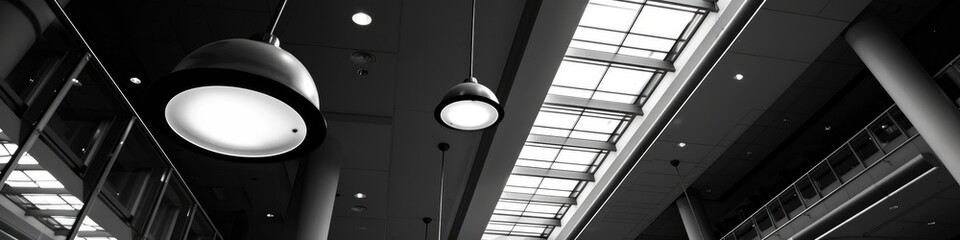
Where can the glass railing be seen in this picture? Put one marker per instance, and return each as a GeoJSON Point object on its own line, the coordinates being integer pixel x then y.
{"type": "Point", "coordinates": [884, 135]}
{"type": "Point", "coordinates": [77, 163]}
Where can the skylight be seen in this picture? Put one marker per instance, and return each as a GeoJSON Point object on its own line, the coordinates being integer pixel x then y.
{"type": "Point", "coordinates": [619, 54]}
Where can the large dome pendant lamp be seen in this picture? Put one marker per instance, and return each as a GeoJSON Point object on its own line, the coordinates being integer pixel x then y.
{"type": "Point", "coordinates": [240, 100]}
{"type": "Point", "coordinates": [469, 106]}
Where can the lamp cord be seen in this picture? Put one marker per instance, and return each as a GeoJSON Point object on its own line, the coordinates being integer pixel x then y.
{"type": "Point", "coordinates": [689, 203]}
{"type": "Point", "coordinates": [276, 17]}
{"type": "Point", "coordinates": [473, 23]}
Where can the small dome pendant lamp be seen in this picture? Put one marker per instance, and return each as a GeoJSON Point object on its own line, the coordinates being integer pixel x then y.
{"type": "Point", "coordinates": [469, 106]}
{"type": "Point", "coordinates": [239, 100]}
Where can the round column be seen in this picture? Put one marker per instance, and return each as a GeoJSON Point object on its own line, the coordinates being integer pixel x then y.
{"type": "Point", "coordinates": [911, 87]}
{"type": "Point", "coordinates": [694, 218]}
{"type": "Point", "coordinates": [318, 191]}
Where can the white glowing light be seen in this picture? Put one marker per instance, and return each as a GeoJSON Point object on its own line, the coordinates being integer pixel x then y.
{"type": "Point", "coordinates": [362, 19]}
{"type": "Point", "coordinates": [469, 115]}
{"type": "Point", "coordinates": [738, 77]}
{"type": "Point", "coordinates": [235, 121]}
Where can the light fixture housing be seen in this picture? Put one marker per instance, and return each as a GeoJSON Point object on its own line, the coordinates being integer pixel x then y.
{"type": "Point", "coordinates": [242, 69]}
{"type": "Point", "coordinates": [469, 106]}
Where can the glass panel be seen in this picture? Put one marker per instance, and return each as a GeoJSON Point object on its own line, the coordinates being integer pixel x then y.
{"type": "Point", "coordinates": [777, 212]}
{"type": "Point", "coordinates": [601, 81]}
{"type": "Point", "coordinates": [173, 213]}
{"type": "Point", "coordinates": [85, 115]}
{"type": "Point", "coordinates": [200, 229]}
{"type": "Point", "coordinates": [746, 232]}
{"type": "Point", "coordinates": [560, 157]}
{"type": "Point", "coordinates": [136, 178]}
{"type": "Point", "coordinates": [48, 59]}
{"type": "Point", "coordinates": [823, 177]}
{"type": "Point", "coordinates": [763, 222]}
{"type": "Point", "coordinates": [888, 134]}
{"type": "Point", "coordinates": [586, 124]}
{"type": "Point", "coordinates": [865, 148]}
{"type": "Point", "coordinates": [807, 191]}
{"type": "Point", "coordinates": [637, 28]}
{"type": "Point", "coordinates": [48, 190]}
{"type": "Point", "coordinates": [846, 165]}
{"type": "Point", "coordinates": [902, 120]}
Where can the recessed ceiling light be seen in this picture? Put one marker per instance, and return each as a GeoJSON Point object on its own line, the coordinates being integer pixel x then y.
{"type": "Point", "coordinates": [359, 208]}
{"type": "Point", "coordinates": [738, 77]}
{"type": "Point", "coordinates": [893, 207]}
{"type": "Point", "coordinates": [270, 215]}
{"type": "Point", "coordinates": [828, 127]}
{"type": "Point", "coordinates": [931, 223]}
{"type": "Point", "coordinates": [359, 196]}
{"type": "Point", "coordinates": [681, 144]}
{"type": "Point", "coordinates": [135, 80]}
{"type": "Point", "coordinates": [362, 19]}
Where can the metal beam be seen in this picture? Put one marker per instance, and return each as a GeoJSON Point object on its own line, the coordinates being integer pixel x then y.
{"type": "Point", "coordinates": [574, 142]}
{"type": "Point", "coordinates": [541, 172]}
{"type": "Point", "coordinates": [24, 190]}
{"type": "Point", "coordinates": [48, 213]}
{"type": "Point", "coordinates": [525, 220]}
{"type": "Point", "coordinates": [620, 59]}
{"type": "Point", "coordinates": [701, 4]}
{"type": "Point", "coordinates": [593, 104]}
{"type": "Point", "coordinates": [538, 198]}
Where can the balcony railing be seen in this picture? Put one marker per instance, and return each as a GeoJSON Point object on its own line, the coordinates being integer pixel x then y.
{"type": "Point", "coordinates": [873, 143]}
{"type": "Point", "coordinates": [76, 160]}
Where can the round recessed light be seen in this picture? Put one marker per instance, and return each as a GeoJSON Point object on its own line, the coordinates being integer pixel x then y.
{"type": "Point", "coordinates": [893, 207]}
{"type": "Point", "coordinates": [681, 144]}
{"type": "Point", "coordinates": [827, 128]}
{"type": "Point", "coordinates": [135, 80]}
{"type": "Point", "coordinates": [359, 196]}
{"type": "Point", "coordinates": [362, 19]}
{"type": "Point", "coordinates": [738, 77]}
{"type": "Point", "coordinates": [270, 215]}
{"type": "Point", "coordinates": [931, 223]}
{"type": "Point", "coordinates": [359, 208]}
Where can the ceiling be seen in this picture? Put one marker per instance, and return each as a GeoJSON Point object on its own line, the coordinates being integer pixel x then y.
{"type": "Point", "coordinates": [385, 135]}
{"type": "Point", "coordinates": [382, 122]}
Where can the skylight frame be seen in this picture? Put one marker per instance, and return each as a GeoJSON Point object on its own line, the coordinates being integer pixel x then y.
{"type": "Point", "coordinates": [603, 76]}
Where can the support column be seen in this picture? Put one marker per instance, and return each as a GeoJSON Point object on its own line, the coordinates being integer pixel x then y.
{"type": "Point", "coordinates": [317, 191]}
{"type": "Point", "coordinates": [911, 87]}
{"type": "Point", "coordinates": [694, 218]}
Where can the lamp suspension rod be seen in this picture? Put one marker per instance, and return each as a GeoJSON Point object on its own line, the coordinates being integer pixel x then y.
{"type": "Point", "coordinates": [443, 158]}
{"type": "Point", "coordinates": [473, 26]}
{"type": "Point", "coordinates": [676, 163]}
{"type": "Point", "coordinates": [276, 17]}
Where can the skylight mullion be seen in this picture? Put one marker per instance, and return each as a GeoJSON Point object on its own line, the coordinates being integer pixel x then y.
{"type": "Point", "coordinates": [539, 172]}
{"type": "Point", "coordinates": [50, 212]}
{"type": "Point", "coordinates": [643, 62]}
{"type": "Point", "coordinates": [538, 198]}
{"type": "Point", "coordinates": [582, 143]}
{"type": "Point", "coordinates": [525, 220]}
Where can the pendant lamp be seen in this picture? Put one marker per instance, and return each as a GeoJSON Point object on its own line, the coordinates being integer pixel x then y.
{"type": "Point", "coordinates": [244, 100]}
{"type": "Point", "coordinates": [469, 106]}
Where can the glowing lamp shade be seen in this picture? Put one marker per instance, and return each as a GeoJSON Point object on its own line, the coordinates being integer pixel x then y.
{"type": "Point", "coordinates": [469, 106]}
{"type": "Point", "coordinates": [238, 100]}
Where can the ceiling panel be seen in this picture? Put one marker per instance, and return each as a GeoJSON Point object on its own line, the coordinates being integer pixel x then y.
{"type": "Point", "coordinates": [342, 89]}
{"type": "Point", "coordinates": [787, 35]}
{"type": "Point", "coordinates": [328, 24]}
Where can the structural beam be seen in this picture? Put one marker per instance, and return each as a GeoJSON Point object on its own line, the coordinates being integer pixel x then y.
{"type": "Point", "coordinates": [525, 220]}
{"type": "Point", "coordinates": [573, 142]}
{"type": "Point", "coordinates": [580, 53]}
{"type": "Point", "coordinates": [593, 104]}
{"type": "Point", "coordinates": [538, 198]}
{"type": "Point", "coordinates": [541, 172]}
{"type": "Point", "coordinates": [47, 213]}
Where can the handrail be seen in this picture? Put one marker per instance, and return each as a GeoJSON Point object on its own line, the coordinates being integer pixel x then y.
{"type": "Point", "coordinates": [805, 176]}
{"type": "Point", "coordinates": [72, 30]}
